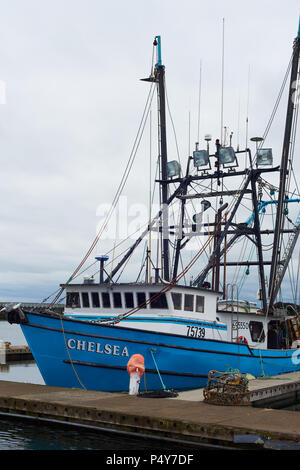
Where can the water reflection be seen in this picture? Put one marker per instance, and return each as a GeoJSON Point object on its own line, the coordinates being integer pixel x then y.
{"type": "Point", "coordinates": [17, 434]}
{"type": "Point", "coordinates": [25, 371]}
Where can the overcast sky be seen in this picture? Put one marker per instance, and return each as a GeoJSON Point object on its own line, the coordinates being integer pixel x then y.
{"type": "Point", "coordinates": [74, 100]}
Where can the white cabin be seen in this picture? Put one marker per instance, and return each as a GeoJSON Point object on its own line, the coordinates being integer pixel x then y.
{"type": "Point", "coordinates": [184, 310]}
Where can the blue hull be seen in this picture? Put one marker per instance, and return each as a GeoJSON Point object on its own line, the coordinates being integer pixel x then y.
{"type": "Point", "coordinates": [81, 354]}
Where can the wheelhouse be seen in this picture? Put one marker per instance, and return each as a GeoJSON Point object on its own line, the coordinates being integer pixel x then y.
{"type": "Point", "coordinates": [116, 298]}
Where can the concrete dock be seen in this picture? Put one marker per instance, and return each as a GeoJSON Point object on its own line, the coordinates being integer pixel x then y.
{"type": "Point", "coordinates": [186, 419]}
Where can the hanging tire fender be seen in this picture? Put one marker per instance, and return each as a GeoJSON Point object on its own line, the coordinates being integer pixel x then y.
{"type": "Point", "coordinates": [15, 315]}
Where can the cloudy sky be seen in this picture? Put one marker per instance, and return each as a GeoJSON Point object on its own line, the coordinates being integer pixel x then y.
{"type": "Point", "coordinates": [74, 101]}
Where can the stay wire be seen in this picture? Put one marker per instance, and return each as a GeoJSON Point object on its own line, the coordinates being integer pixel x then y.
{"type": "Point", "coordinates": [120, 188]}
{"type": "Point", "coordinates": [178, 277]}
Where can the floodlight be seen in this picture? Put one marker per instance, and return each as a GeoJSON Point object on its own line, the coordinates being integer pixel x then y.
{"type": "Point", "coordinates": [226, 155]}
{"type": "Point", "coordinates": [174, 169]}
{"type": "Point", "coordinates": [201, 158]}
{"type": "Point", "coordinates": [264, 157]}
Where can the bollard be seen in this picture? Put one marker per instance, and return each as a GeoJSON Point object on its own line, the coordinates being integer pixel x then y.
{"type": "Point", "coordinates": [2, 352]}
{"type": "Point", "coordinates": [134, 383]}
{"type": "Point", "coordinates": [135, 368]}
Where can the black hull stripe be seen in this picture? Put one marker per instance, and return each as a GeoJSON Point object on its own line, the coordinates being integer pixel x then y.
{"type": "Point", "coordinates": [148, 371]}
{"type": "Point", "coordinates": [112, 338]}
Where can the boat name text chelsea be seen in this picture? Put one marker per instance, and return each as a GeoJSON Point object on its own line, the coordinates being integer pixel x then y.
{"type": "Point", "coordinates": [90, 346]}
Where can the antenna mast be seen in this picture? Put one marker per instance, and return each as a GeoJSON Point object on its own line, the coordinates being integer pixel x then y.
{"type": "Point", "coordinates": [222, 93]}
{"type": "Point", "coordinates": [160, 78]}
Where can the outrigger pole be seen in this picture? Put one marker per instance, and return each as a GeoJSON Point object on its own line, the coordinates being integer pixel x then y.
{"type": "Point", "coordinates": [181, 191]}
{"type": "Point", "coordinates": [279, 224]}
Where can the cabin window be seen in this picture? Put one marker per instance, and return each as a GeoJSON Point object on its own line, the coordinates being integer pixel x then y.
{"type": "Point", "coordinates": [257, 331]}
{"type": "Point", "coordinates": [141, 298]}
{"type": "Point", "coordinates": [129, 300]}
{"type": "Point", "coordinates": [188, 302]}
{"type": "Point", "coordinates": [275, 335]}
{"type": "Point", "coordinates": [73, 300]}
{"type": "Point", "coordinates": [158, 300]}
{"type": "Point", "coordinates": [177, 299]}
{"type": "Point", "coordinates": [85, 299]}
{"type": "Point", "coordinates": [105, 300]}
{"type": "Point", "coordinates": [117, 300]}
{"type": "Point", "coordinates": [95, 300]}
{"type": "Point", "coordinates": [200, 303]}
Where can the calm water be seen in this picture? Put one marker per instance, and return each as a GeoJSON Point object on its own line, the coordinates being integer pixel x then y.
{"type": "Point", "coordinates": [19, 372]}
{"type": "Point", "coordinates": [25, 434]}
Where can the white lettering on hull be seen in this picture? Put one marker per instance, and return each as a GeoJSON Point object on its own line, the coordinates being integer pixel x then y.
{"type": "Point", "coordinates": [91, 346]}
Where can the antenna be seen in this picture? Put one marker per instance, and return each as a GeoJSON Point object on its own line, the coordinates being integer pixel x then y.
{"type": "Point", "coordinates": [222, 93]}
{"type": "Point", "coordinates": [199, 100]}
{"type": "Point", "coordinates": [247, 114]}
{"type": "Point", "coordinates": [189, 147]}
{"type": "Point", "coordinates": [238, 123]}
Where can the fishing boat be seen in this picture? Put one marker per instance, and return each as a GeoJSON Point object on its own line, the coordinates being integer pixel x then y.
{"type": "Point", "coordinates": [183, 329]}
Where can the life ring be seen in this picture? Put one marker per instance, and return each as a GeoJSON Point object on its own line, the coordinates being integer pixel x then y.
{"type": "Point", "coordinates": [242, 340]}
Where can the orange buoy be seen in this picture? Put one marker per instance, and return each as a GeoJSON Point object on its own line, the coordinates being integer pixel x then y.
{"type": "Point", "coordinates": [136, 364]}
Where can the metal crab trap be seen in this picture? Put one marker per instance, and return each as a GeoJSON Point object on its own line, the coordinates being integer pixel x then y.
{"type": "Point", "coordinates": [226, 388]}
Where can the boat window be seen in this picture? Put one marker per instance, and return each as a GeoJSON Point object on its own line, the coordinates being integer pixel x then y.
{"type": "Point", "coordinates": [200, 303]}
{"type": "Point", "coordinates": [95, 300]}
{"type": "Point", "coordinates": [141, 298]}
{"type": "Point", "coordinates": [85, 299]}
{"type": "Point", "coordinates": [129, 300]}
{"type": "Point", "coordinates": [158, 300]}
{"type": "Point", "coordinates": [117, 300]}
{"type": "Point", "coordinates": [275, 334]}
{"type": "Point", "coordinates": [73, 300]}
{"type": "Point", "coordinates": [105, 300]}
{"type": "Point", "coordinates": [188, 302]}
{"type": "Point", "coordinates": [176, 300]}
{"type": "Point", "coordinates": [257, 331]}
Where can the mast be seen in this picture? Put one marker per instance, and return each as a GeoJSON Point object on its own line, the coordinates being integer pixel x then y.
{"type": "Point", "coordinates": [160, 78]}
{"type": "Point", "coordinates": [279, 224]}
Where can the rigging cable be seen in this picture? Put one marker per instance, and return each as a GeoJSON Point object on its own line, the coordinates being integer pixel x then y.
{"type": "Point", "coordinates": [171, 284]}
{"type": "Point", "coordinates": [120, 187]}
